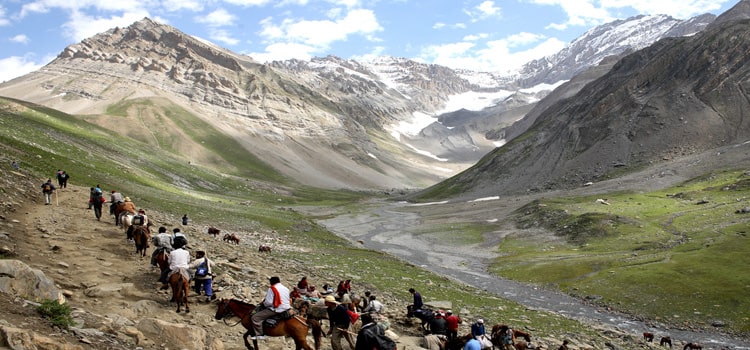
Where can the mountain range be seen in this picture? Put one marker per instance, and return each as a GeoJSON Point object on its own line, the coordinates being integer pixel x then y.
{"type": "Point", "coordinates": [327, 122]}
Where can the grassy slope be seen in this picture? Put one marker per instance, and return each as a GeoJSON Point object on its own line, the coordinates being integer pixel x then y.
{"type": "Point", "coordinates": [686, 245]}
{"type": "Point", "coordinates": [45, 140]}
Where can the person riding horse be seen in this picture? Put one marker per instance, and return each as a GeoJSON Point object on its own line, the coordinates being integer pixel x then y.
{"type": "Point", "coordinates": [162, 242]}
{"type": "Point", "coordinates": [277, 300]}
{"type": "Point", "coordinates": [178, 259]}
{"type": "Point", "coordinates": [139, 221]}
{"type": "Point", "coordinates": [115, 199]}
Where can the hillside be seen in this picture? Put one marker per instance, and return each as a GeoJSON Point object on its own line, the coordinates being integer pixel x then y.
{"type": "Point", "coordinates": [113, 293]}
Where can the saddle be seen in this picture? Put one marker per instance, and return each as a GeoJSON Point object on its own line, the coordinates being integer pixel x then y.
{"type": "Point", "coordinates": [273, 321]}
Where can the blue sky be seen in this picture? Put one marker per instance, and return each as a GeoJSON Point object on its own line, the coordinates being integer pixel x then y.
{"type": "Point", "coordinates": [481, 35]}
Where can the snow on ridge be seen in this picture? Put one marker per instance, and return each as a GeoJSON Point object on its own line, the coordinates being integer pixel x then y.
{"type": "Point", "coordinates": [473, 101]}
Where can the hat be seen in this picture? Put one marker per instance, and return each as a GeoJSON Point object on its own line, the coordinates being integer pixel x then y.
{"type": "Point", "coordinates": [449, 312]}
{"type": "Point", "coordinates": [480, 321]}
{"type": "Point", "coordinates": [127, 199]}
{"type": "Point", "coordinates": [331, 299]}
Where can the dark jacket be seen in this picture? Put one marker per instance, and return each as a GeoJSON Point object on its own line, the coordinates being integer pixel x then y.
{"type": "Point", "coordinates": [367, 337]}
{"type": "Point", "coordinates": [339, 317]}
{"type": "Point", "coordinates": [438, 325]}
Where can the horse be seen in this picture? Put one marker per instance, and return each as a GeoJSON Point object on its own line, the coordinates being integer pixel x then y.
{"type": "Point", "coordinates": [496, 337]}
{"type": "Point", "coordinates": [213, 231]}
{"type": "Point", "coordinates": [180, 287]}
{"type": "Point", "coordinates": [141, 238]}
{"type": "Point", "coordinates": [162, 260]}
{"type": "Point", "coordinates": [264, 249]}
{"type": "Point", "coordinates": [423, 315]}
{"type": "Point", "coordinates": [665, 341]}
{"type": "Point", "coordinates": [232, 238]}
{"type": "Point", "coordinates": [648, 336]}
{"type": "Point", "coordinates": [295, 327]}
{"type": "Point", "coordinates": [120, 211]}
{"type": "Point", "coordinates": [692, 346]}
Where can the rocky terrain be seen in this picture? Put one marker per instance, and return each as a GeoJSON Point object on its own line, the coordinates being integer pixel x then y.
{"type": "Point", "coordinates": [114, 295]}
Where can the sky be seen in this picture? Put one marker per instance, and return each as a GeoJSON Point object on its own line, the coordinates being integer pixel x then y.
{"type": "Point", "coordinates": [480, 35]}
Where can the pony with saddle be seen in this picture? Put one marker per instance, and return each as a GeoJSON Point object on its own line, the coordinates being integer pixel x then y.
{"type": "Point", "coordinates": [141, 238]}
{"type": "Point", "coordinates": [122, 210]}
{"type": "Point", "coordinates": [424, 315]}
{"type": "Point", "coordinates": [180, 284]}
{"type": "Point", "coordinates": [505, 337]}
{"type": "Point", "coordinates": [294, 326]}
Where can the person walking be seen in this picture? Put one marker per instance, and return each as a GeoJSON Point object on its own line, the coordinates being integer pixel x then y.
{"type": "Point", "coordinates": [58, 174]}
{"type": "Point", "coordinates": [277, 300]}
{"type": "Point", "coordinates": [372, 337]}
{"type": "Point", "coordinates": [64, 177]}
{"type": "Point", "coordinates": [203, 274]}
{"type": "Point", "coordinates": [47, 189]}
{"type": "Point", "coordinates": [15, 166]}
{"type": "Point", "coordinates": [339, 320]}
{"type": "Point", "coordinates": [97, 200]}
{"type": "Point", "coordinates": [184, 220]}
{"type": "Point", "coordinates": [451, 324]}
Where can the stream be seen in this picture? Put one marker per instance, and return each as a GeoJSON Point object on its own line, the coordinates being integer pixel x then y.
{"type": "Point", "coordinates": [384, 227]}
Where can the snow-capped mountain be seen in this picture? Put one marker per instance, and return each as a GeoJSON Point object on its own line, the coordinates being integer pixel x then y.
{"type": "Point", "coordinates": [391, 122]}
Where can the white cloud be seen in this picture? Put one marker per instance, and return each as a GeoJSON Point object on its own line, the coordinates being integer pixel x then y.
{"type": "Point", "coordinates": [20, 38]}
{"type": "Point", "coordinates": [15, 66]}
{"type": "Point", "coordinates": [488, 8]}
{"type": "Point", "coordinates": [248, 2]}
{"type": "Point", "coordinates": [3, 20]}
{"type": "Point", "coordinates": [222, 36]}
{"type": "Point", "coordinates": [492, 56]}
{"type": "Point", "coordinates": [475, 37]}
{"type": "Point", "coordinates": [177, 5]}
{"type": "Point", "coordinates": [285, 51]}
{"type": "Point", "coordinates": [81, 26]}
{"type": "Point", "coordinates": [676, 8]}
{"type": "Point", "coordinates": [217, 18]}
{"type": "Point", "coordinates": [315, 36]}
{"type": "Point", "coordinates": [438, 25]}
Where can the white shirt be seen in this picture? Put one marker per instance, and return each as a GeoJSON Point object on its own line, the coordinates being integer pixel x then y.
{"type": "Point", "coordinates": [179, 258]}
{"type": "Point", "coordinates": [285, 302]}
{"type": "Point", "coordinates": [374, 306]}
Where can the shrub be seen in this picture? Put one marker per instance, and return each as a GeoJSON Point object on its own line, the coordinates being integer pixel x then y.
{"type": "Point", "coordinates": [58, 314]}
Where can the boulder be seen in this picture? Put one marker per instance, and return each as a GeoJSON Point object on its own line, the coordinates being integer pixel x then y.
{"type": "Point", "coordinates": [17, 278]}
{"type": "Point", "coordinates": [20, 339]}
{"type": "Point", "coordinates": [174, 335]}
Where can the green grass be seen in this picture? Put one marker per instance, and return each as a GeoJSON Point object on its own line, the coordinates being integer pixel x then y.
{"type": "Point", "coordinates": [684, 244]}
{"type": "Point", "coordinates": [622, 252]}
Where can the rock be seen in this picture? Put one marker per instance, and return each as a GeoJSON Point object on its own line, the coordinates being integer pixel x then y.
{"type": "Point", "coordinates": [108, 290]}
{"type": "Point", "coordinates": [17, 338]}
{"type": "Point", "coordinates": [177, 335]}
{"type": "Point", "coordinates": [19, 279]}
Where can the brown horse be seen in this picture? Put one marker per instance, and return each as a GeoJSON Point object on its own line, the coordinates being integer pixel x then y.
{"type": "Point", "coordinates": [264, 249]}
{"type": "Point", "coordinates": [232, 238]}
{"type": "Point", "coordinates": [162, 260]}
{"type": "Point", "coordinates": [213, 231]}
{"type": "Point", "coordinates": [692, 346]}
{"type": "Point", "coordinates": [496, 337]}
{"type": "Point", "coordinates": [141, 238]}
{"type": "Point", "coordinates": [665, 341]}
{"type": "Point", "coordinates": [180, 286]}
{"type": "Point", "coordinates": [648, 336]}
{"type": "Point", "coordinates": [295, 327]}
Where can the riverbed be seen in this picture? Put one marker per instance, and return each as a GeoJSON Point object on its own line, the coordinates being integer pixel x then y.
{"type": "Point", "coordinates": [387, 226]}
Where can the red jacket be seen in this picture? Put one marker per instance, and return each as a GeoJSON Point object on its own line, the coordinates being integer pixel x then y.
{"type": "Point", "coordinates": [452, 322]}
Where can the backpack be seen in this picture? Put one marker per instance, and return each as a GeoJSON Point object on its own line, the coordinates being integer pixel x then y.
{"type": "Point", "coordinates": [96, 196]}
{"type": "Point", "coordinates": [47, 187]}
{"type": "Point", "coordinates": [202, 269]}
{"type": "Point", "coordinates": [382, 342]}
{"type": "Point", "coordinates": [138, 220]}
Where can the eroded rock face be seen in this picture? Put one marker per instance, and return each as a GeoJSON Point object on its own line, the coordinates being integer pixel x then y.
{"type": "Point", "coordinates": [20, 339]}
{"type": "Point", "coordinates": [17, 278]}
{"type": "Point", "coordinates": [178, 335]}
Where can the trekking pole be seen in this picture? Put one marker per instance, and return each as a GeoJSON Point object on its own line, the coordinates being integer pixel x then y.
{"type": "Point", "coordinates": [57, 199]}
